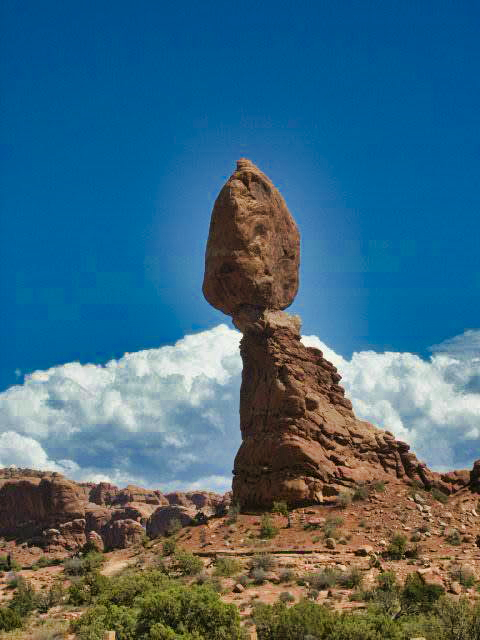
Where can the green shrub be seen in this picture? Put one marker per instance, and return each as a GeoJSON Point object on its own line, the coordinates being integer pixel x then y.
{"type": "Point", "coordinates": [344, 499]}
{"type": "Point", "coordinates": [324, 579]}
{"type": "Point", "coordinates": [263, 561]}
{"type": "Point", "coordinates": [4, 566]}
{"type": "Point", "coordinates": [351, 579]}
{"type": "Point", "coordinates": [419, 596]}
{"type": "Point", "coordinates": [9, 619]}
{"type": "Point", "coordinates": [361, 493]}
{"type": "Point", "coordinates": [267, 528]}
{"type": "Point", "coordinates": [79, 566]}
{"type": "Point", "coordinates": [187, 610]}
{"type": "Point", "coordinates": [187, 563]}
{"type": "Point", "coordinates": [310, 620]}
{"type": "Point", "coordinates": [259, 575]}
{"type": "Point", "coordinates": [387, 581]}
{"type": "Point", "coordinates": [379, 486]}
{"type": "Point", "coordinates": [281, 508]}
{"type": "Point", "coordinates": [287, 575]}
{"type": "Point", "coordinates": [169, 547]}
{"type": "Point", "coordinates": [439, 495]}
{"type": "Point", "coordinates": [286, 596]}
{"type": "Point", "coordinates": [453, 537]}
{"type": "Point", "coordinates": [50, 598]}
{"type": "Point", "coordinates": [227, 567]}
{"type": "Point", "coordinates": [463, 575]}
{"type": "Point", "coordinates": [397, 547]}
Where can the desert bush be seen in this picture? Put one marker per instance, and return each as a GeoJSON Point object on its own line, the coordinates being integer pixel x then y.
{"type": "Point", "coordinates": [281, 508]}
{"type": "Point", "coordinates": [227, 567]}
{"type": "Point", "coordinates": [286, 596]}
{"type": "Point", "coordinates": [263, 561]}
{"type": "Point", "coordinates": [331, 527]}
{"type": "Point", "coordinates": [5, 566]}
{"type": "Point", "coordinates": [439, 495]}
{"type": "Point", "coordinates": [387, 581]}
{"type": "Point", "coordinates": [168, 547]}
{"type": "Point", "coordinates": [213, 582]}
{"type": "Point", "coordinates": [463, 575]}
{"type": "Point", "coordinates": [259, 575]}
{"type": "Point", "coordinates": [50, 598]}
{"type": "Point", "coordinates": [361, 492]}
{"type": "Point", "coordinates": [190, 612]}
{"type": "Point", "coordinates": [418, 596]}
{"type": "Point", "coordinates": [453, 537]}
{"type": "Point", "coordinates": [287, 575]}
{"type": "Point", "coordinates": [267, 528]}
{"type": "Point", "coordinates": [351, 579]}
{"type": "Point", "coordinates": [24, 598]}
{"type": "Point", "coordinates": [310, 620]}
{"type": "Point", "coordinates": [187, 563]}
{"type": "Point", "coordinates": [344, 499]}
{"type": "Point", "coordinates": [379, 486]}
{"type": "Point", "coordinates": [324, 579]}
{"type": "Point", "coordinates": [9, 619]}
{"type": "Point", "coordinates": [79, 566]}
{"type": "Point", "coordinates": [397, 547]}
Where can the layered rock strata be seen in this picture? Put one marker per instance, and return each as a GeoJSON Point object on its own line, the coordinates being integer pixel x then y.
{"type": "Point", "coordinates": [51, 511]}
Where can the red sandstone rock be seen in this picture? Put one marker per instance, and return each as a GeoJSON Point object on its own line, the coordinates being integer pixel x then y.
{"type": "Point", "coordinates": [301, 440]}
{"type": "Point", "coordinates": [253, 245]}
{"type": "Point", "coordinates": [31, 501]}
{"type": "Point", "coordinates": [162, 518]}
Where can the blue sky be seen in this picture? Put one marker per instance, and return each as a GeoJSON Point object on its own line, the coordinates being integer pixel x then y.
{"type": "Point", "coordinates": [120, 123]}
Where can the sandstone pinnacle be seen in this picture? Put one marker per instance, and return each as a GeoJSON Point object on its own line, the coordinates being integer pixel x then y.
{"type": "Point", "coordinates": [301, 441]}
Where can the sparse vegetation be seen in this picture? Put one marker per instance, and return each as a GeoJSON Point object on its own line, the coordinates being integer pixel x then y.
{"type": "Point", "coordinates": [361, 492]}
{"type": "Point", "coordinates": [187, 563]}
{"type": "Point", "coordinates": [267, 528]}
{"type": "Point", "coordinates": [280, 508]}
{"type": "Point", "coordinates": [463, 575]}
{"type": "Point", "coordinates": [453, 537]}
{"type": "Point", "coordinates": [263, 561]}
{"type": "Point", "coordinates": [169, 546]}
{"type": "Point", "coordinates": [397, 547]}
{"type": "Point", "coordinates": [344, 499]}
{"type": "Point", "coordinates": [379, 486]}
{"type": "Point", "coordinates": [227, 567]}
{"type": "Point", "coordinates": [439, 495]}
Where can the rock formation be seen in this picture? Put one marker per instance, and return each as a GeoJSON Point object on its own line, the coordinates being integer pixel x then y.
{"type": "Point", "coordinates": [301, 441]}
{"type": "Point", "coordinates": [55, 513]}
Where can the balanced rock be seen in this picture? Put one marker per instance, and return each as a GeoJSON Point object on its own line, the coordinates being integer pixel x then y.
{"type": "Point", "coordinates": [253, 247]}
{"type": "Point", "coordinates": [301, 441]}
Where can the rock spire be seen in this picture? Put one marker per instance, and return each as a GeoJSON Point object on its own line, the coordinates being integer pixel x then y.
{"type": "Point", "coordinates": [301, 441]}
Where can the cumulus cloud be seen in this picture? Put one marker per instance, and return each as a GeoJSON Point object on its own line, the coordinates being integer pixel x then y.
{"type": "Point", "coordinates": [168, 417]}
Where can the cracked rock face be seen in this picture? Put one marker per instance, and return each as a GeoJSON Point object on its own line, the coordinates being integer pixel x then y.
{"type": "Point", "coordinates": [301, 441]}
{"type": "Point", "coordinates": [253, 247]}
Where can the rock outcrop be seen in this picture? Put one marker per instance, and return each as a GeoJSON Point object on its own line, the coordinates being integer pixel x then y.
{"type": "Point", "coordinates": [56, 513]}
{"type": "Point", "coordinates": [301, 441]}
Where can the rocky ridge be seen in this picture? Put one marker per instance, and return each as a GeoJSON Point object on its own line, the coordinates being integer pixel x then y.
{"type": "Point", "coordinates": [48, 510]}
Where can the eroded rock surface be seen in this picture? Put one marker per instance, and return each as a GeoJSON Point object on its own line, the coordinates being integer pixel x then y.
{"type": "Point", "coordinates": [253, 247]}
{"type": "Point", "coordinates": [56, 513]}
{"type": "Point", "coordinates": [301, 441]}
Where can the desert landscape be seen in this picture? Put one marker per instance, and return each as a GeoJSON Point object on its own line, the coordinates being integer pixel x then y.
{"type": "Point", "coordinates": [333, 528]}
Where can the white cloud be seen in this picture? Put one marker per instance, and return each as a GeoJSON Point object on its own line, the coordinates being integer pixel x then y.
{"type": "Point", "coordinates": [168, 417]}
